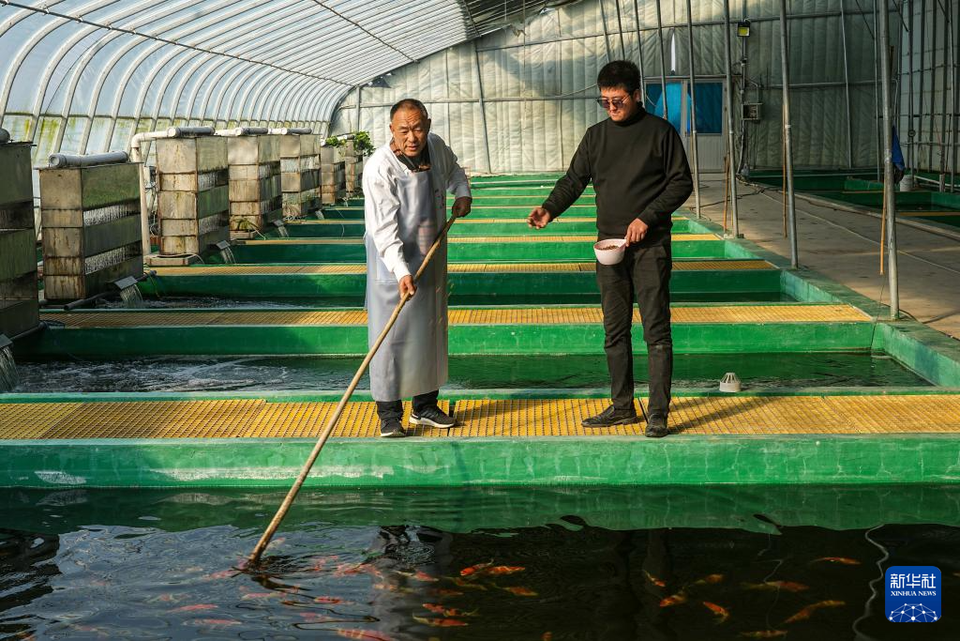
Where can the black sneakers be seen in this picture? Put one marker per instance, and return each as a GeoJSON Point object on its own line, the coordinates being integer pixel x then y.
{"type": "Point", "coordinates": [432, 416]}
{"type": "Point", "coordinates": [656, 426]}
{"type": "Point", "coordinates": [391, 428]}
{"type": "Point", "coordinates": [612, 416]}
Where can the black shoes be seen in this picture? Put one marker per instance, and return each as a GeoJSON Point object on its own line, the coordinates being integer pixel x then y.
{"type": "Point", "coordinates": [391, 428]}
{"type": "Point", "coordinates": [434, 417]}
{"type": "Point", "coordinates": [656, 423]}
{"type": "Point", "coordinates": [656, 426]}
{"type": "Point", "coordinates": [612, 416]}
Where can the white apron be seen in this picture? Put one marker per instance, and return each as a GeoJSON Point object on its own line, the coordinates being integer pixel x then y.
{"type": "Point", "coordinates": [413, 358]}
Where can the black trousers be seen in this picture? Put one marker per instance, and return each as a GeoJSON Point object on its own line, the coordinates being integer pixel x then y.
{"type": "Point", "coordinates": [394, 409]}
{"type": "Point", "coordinates": [642, 276]}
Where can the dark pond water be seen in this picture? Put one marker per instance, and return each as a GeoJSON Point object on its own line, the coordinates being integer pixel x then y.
{"type": "Point", "coordinates": [537, 564]}
{"type": "Point", "coordinates": [757, 371]}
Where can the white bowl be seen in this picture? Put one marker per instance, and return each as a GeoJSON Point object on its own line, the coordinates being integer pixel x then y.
{"type": "Point", "coordinates": [610, 256]}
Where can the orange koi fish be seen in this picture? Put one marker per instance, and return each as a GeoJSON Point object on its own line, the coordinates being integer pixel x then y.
{"type": "Point", "coordinates": [473, 569]}
{"type": "Point", "coordinates": [166, 598]}
{"type": "Point", "coordinates": [719, 610]}
{"type": "Point", "coordinates": [319, 565]}
{"type": "Point", "coordinates": [710, 579]}
{"type": "Point", "coordinates": [392, 588]}
{"type": "Point", "coordinates": [805, 613]}
{"type": "Point", "coordinates": [764, 634]}
{"type": "Point", "coordinates": [223, 574]}
{"type": "Point", "coordinates": [674, 599]}
{"type": "Point", "coordinates": [215, 623]}
{"type": "Point", "coordinates": [445, 592]}
{"type": "Point", "coordinates": [347, 569]}
{"type": "Point", "coordinates": [366, 635]}
{"type": "Point", "coordinates": [328, 599]}
{"type": "Point", "coordinates": [842, 560]}
{"type": "Point", "coordinates": [440, 623]}
{"type": "Point", "coordinates": [423, 576]}
{"type": "Point", "coordinates": [787, 586]}
{"type": "Point", "coordinates": [467, 584]}
{"type": "Point", "coordinates": [447, 612]}
{"type": "Point", "coordinates": [500, 570]}
{"type": "Point", "coordinates": [654, 580]}
{"type": "Point", "coordinates": [519, 591]}
{"type": "Point", "coordinates": [195, 608]}
{"type": "Point", "coordinates": [547, 636]}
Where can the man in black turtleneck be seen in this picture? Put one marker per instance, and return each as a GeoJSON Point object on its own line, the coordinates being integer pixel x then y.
{"type": "Point", "coordinates": [640, 174]}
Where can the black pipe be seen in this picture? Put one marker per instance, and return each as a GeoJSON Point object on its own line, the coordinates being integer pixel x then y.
{"type": "Point", "coordinates": [83, 301]}
{"type": "Point", "coordinates": [33, 330]}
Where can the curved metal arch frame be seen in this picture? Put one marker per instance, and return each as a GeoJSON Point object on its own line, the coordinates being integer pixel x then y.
{"type": "Point", "coordinates": [161, 64]}
{"type": "Point", "coordinates": [242, 90]}
{"type": "Point", "coordinates": [26, 48]}
{"type": "Point", "coordinates": [265, 102]}
{"type": "Point", "coordinates": [211, 39]}
{"type": "Point", "coordinates": [114, 61]}
{"type": "Point", "coordinates": [226, 87]}
{"type": "Point", "coordinates": [296, 97]}
{"type": "Point", "coordinates": [51, 68]}
{"type": "Point", "coordinates": [201, 81]}
{"type": "Point", "coordinates": [161, 94]}
{"type": "Point", "coordinates": [249, 89]}
{"type": "Point", "coordinates": [217, 87]}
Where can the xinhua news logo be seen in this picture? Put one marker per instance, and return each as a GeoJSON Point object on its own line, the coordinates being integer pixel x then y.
{"type": "Point", "coordinates": [913, 594]}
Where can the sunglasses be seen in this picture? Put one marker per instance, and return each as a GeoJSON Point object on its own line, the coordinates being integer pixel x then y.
{"type": "Point", "coordinates": [614, 103]}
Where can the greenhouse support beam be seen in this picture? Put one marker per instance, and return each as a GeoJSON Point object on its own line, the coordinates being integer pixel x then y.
{"type": "Point", "coordinates": [919, 127]}
{"type": "Point", "coordinates": [623, 46]}
{"type": "Point", "coordinates": [955, 89]}
{"type": "Point", "coordinates": [943, 94]}
{"type": "Point", "coordinates": [846, 84]}
{"type": "Point", "coordinates": [888, 192]}
{"type": "Point", "coordinates": [483, 110]}
{"type": "Point", "coordinates": [791, 204]}
{"type": "Point", "coordinates": [606, 36]}
{"type": "Point", "coordinates": [693, 111]}
{"type": "Point", "coordinates": [878, 60]}
{"type": "Point", "coordinates": [910, 124]}
{"type": "Point", "coordinates": [663, 61]}
{"type": "Point", "coordinates": [643, 76]}
{"type": "Point", "coordinates": [728, 100]}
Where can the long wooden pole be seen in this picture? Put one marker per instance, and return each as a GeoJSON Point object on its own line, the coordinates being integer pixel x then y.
{"type": "Point", "coordinates": [292, 494]}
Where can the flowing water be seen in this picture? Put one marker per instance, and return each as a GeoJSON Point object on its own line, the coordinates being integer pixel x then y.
{"type": "Point", "coordinates": [461, 564]}
{"type": "Point", "coordinates": [310, 373]}
{"type": "Point", "coordinates": [226, 255]}
{"type": "Point", "coordinates": [131, 298]}
{"type": "Point", "coordinates": [9, 375]}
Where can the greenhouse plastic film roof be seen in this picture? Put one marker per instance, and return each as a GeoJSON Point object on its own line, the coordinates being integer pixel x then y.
{"type": "Point", "coordinates": [84, 76]}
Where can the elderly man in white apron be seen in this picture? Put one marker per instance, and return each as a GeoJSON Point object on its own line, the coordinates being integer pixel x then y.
{"type": "Point", "coordinates": [404, 188]}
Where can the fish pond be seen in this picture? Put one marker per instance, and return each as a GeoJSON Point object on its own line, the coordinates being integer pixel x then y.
{"type": "Point", "coordinates": [523, 563]}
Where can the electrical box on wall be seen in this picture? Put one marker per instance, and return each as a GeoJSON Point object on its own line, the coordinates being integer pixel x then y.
{"type": "Point", "coordinates": [751, 111]}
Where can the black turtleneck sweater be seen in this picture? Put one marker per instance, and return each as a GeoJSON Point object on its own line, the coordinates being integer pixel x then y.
{"type": "Point", "coordinates": [638, 169]}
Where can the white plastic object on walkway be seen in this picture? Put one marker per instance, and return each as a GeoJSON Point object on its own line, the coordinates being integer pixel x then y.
{"type": "Point", "coordinates": [730, 383]}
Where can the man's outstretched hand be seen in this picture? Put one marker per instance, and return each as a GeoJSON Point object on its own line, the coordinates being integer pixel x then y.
{"type": "Point", "coordinates": [461, 206]}
{"type": "Point", "coordinates": [406, 285]}
{"type": "Point", "coordinates": [538, 218]}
